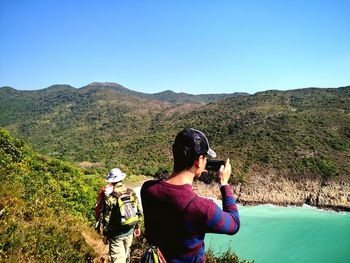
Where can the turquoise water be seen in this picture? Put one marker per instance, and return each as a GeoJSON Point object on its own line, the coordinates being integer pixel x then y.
{"type": "Point", "coordinates": [288, 234]}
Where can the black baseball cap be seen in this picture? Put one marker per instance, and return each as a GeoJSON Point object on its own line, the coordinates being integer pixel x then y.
{"type": "Point", "coordinates": [192, 143]}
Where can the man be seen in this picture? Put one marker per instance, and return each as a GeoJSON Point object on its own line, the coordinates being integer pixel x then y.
{"type": "Point", "coordinates": [118, 236]}
{"type": "Point", "coordinates": [176, 219]}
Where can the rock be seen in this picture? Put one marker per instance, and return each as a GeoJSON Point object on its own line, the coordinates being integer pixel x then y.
{"type": "Point", "coordinates": [281, 191]}
{"type": "Point", "coordinates": [274, 189]}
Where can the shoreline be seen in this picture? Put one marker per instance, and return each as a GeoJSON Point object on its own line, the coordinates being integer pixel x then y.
{"type": "Point", "coordinates": [324, 208]}
{"type": "Point", "coordinates": [283, 197]}
{"type": "Point", "coordinates": [213, 191]}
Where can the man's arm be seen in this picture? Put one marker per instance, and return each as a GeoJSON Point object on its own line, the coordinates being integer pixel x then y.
{"type": "Point", "coordinates": [106, 215]}
{"type": "Point", "coordinates": [225, 221]}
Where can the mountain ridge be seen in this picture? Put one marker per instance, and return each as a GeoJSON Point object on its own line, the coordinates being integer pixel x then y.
{"type": "Point", "coordinates": [287, 137]}
{"type": "Point", "coordinates": [167, 95]}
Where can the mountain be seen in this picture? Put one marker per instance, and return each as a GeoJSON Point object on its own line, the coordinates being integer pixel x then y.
{"type": "Point", "coordinates": [90, 121]}
{"type": "Point", "coordinates": [167, 96]}
{"type": "Point", "coordinates": [273, 138]}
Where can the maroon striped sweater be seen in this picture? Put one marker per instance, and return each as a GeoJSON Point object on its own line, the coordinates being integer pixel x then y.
{"type": "Point", "coordinates": [176, 219]}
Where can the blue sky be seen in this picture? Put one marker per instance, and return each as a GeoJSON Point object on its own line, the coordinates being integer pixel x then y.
{"type": "Point", "coordinates": [193, 46]}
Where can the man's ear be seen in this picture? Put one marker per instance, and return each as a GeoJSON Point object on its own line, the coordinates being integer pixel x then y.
{"type": "Point", "coordinates": [199, 161]}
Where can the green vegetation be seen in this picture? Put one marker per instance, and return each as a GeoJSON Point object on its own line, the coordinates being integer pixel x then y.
{"type": "Point", "coordinates": [226, 257]}
{"type": "Point", "coordinates": [300, 133]}
{"type": "Point", "coordinates": [46, 203]}
{"type": "Point", "coordinates": [45, 206]}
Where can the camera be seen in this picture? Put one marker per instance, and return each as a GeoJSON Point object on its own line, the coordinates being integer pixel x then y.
{"type": "Point", "coordinates": [214, 165]}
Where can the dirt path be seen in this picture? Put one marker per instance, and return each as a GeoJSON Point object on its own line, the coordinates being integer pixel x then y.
{"type": "Point", "coordinates": [137, 183]}
{"type": "Point", "coordinates": [95, 241]}
{"type": "Point", "coordinates": [100, 248]}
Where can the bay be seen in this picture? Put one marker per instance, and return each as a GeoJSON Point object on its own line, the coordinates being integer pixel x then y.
{"type": "Point", "coordinates": [287, 234]}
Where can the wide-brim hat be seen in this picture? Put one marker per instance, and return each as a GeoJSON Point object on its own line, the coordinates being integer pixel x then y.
{"type": "Point", "coordinates": [115, 175]}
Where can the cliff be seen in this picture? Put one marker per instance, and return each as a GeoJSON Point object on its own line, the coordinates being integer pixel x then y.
{"type": "Point", "coordinates": [268, 189]}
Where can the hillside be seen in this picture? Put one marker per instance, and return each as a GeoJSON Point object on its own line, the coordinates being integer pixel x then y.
{"type": "Point", "coordinates": [167, 96]}
{"type": "Point", "coordinates": [290, 147]}
{"type": "Point", "coordinates": [273, 136]}
{"type": "Point", "coordinates": [63, 122]}
{"type": "Point", "coordinates": [45, 206]}
{"type": "Point", "coordinates": [97, 123]}
{"type": "Point", "coordinates": [297, 132]}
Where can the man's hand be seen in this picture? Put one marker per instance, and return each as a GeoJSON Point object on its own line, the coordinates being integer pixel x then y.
{"type": "Point", "coordinates": [224, 173]}
{"type": "Point", "coordinates": [137, 232]}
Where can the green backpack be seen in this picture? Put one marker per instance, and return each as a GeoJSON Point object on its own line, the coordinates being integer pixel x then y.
{"type": "Point", "coordinates": [126, 211]}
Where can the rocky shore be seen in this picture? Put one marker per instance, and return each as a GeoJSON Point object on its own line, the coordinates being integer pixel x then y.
{"type": "Point", "coordinates": [270, 189]}
{"type": "Point", "coordinates": [278, 190]}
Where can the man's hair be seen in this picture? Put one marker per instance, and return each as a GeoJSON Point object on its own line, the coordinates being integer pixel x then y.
{"type": "Point", "coordinates": [189, 144]}
{"type": "Point", "coordinates": [181, 160]}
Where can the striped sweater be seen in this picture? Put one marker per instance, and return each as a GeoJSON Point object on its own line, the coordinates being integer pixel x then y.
{"type": "Point", "coordinates": [176, 219]}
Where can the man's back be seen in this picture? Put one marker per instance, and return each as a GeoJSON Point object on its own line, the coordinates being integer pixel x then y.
{"type": "Point", "coordinates": [176, 219]}
{"type": "Point", "coordinates": [112, 221]}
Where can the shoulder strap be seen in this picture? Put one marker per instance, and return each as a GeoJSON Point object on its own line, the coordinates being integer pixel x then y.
{"type": "Point", "coordinates": [117, 195]}
{"type": "Point", "coordinates": [129, 191]}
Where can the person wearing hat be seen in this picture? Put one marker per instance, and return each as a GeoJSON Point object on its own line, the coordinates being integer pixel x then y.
{"type": "Point", "coordinates": [176, 219]}
{"type": "Point", "coordinates": [119, 237]}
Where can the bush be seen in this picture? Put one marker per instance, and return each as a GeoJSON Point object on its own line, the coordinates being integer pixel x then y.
{"type": "Point", "coordinates": [225, 257]}
{"type": "Point", "coordinates": [44, 203]}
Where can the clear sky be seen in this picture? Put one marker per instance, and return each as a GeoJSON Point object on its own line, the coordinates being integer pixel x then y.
{"type": "Point", "coordinates": [193, 46]}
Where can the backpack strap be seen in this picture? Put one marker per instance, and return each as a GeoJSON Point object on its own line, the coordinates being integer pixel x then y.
{"type": "Point", "coordinates": [115, 194]}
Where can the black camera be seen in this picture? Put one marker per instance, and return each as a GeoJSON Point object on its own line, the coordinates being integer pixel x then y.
{"type": "Point", "coordinates": [214, 165]}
